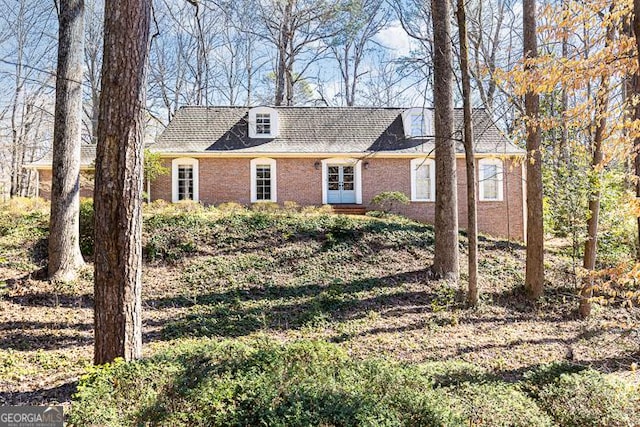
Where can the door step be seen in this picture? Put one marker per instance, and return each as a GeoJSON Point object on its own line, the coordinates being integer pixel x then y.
{"type": "Point", "coordinates": [349, 209]}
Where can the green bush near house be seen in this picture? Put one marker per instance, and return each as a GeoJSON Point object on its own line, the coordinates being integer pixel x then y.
{"type": "Point", "coordinates": [388, 200]}
{"type": "Point", "coordinates": [86, 227]}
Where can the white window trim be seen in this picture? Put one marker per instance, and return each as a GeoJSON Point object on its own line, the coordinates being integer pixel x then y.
{"type": "Point", "coordinates": [427, 124]}
{"type": "Point", "coordinates": [184, 161]}
{"type": "Point", "coordinates": [274, 179]}
{"type": "Point", "coordinates": [357, 176]}
{"type": "Point", "coordinates": [414, 181]}
{"type": "Point", "coordinates": [500, 176]}
{"type": "Point", "coordinates": [252, 122]}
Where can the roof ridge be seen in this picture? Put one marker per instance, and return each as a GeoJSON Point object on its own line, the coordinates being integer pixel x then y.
{"type": "Point", "coordinates": [307, 107]}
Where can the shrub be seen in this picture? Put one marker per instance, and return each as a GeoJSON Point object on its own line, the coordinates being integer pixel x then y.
{"type": "Point", "coordinates": [317, 210]}
{"type": "Point", "coordinates": [291, 206]}
{"type": "Point", "coordinates": [86, 227]}
{"type": "Point", "coordinates": [265, 207]}
{"type": "Point", "coordinates": [586, 398]}
{"type": "Point", "coordinates": [387, 200]}
{"type": "Point", "coordinates": [301, 383]}
{"type": "Point", "coordinates": [231, 207]}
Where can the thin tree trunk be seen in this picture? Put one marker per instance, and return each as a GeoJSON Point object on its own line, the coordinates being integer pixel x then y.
{"type": "Point", "coordinates": [591, 245]}
{"type": "Point", "coordinates": [64, 227]}
{"type": "Point", "coordinates": [636, 81]}
{"type": "Point", "coordinates": [118, 186]}
{"type": "Point", "coordinates": [445, 263]}
{"type": "Point", "coordinates": [284, 41]}
{"type": "Point", "coordinates": [470, 161]}
{"type": "Point", "coordinates": [534, 280]}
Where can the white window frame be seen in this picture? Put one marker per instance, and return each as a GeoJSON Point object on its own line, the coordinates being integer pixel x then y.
{"type": "Point", "coordinates": [185, 161]}
{"type": "Point", "coordinates": [415, 163]}
{"type": "Point", "coordinates": [273, 116]}
{"type": "Point", "coordinates": [254, 179]}
{"type": "Point", "coordinates": [499, 176]}
{"type": "Point", "coordinates": [427, 124]}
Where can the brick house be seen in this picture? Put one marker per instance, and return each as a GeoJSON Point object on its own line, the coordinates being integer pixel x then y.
{"type": "Point", "coordinates": [323, 155]}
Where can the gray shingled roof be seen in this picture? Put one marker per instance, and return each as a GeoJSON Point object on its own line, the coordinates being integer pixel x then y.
{"type": "Point", "coordinates": [87, 157]}
{"type": "Point", "coordinates": [311, 130]}
{"type": "Point", "coordinates": [306, 130]}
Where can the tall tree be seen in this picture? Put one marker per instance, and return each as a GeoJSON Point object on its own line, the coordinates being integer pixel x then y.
{"type": "Point", "coordinates": [363, 20]}
{"type": "Point", "coordinates": [94, 21]}
{"type": "Point", "coordinates": [636, 88]}
{"type": "Point", "coordinates": [470, 161]}
{"type": "Point", "coordinates": [534, 278]}
{"type": "Point", "coordinates": [597, 158]}
{"type": "Point", "coordinates": [26, 115]}
{"type": "Point", "coordinates": [118, 186]}
{"type": "Point", "coordinates": [445, 263]}
{"type": "Point", "coordinates": [295, 28]}
{"type": "Point", "coordinates": [64, 226]}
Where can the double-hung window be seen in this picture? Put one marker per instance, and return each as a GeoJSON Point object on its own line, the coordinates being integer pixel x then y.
{"type": "Point", "coordinates": [184, 177]}
{"type": "Point", "coordinates": [185, 182]}
{"type": "Point", "coordinates": [490, 179]}
{"type": "Point", "coordinates": [423, 180]}
{"type": "Point", "coordinates": [263, 180]}
{"type": "Point", "coordinates": [263, 124]}
{"type": "Point", "coordinates": [417, 125]}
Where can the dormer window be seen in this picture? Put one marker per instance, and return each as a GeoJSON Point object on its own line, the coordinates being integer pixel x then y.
{"type": "Point", "coordinates": [418, 123]}
{"type": "Point", "coordinates": [417, 127]}
{"type": "Point", "coordinates": [263, 122]}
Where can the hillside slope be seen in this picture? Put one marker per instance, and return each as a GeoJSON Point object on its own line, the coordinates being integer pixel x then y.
{"type": "Point", "coordinates": [361, 283]}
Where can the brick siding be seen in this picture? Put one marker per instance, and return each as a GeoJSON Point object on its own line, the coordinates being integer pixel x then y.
{"type": "Point", "coordinates": [228, 180]}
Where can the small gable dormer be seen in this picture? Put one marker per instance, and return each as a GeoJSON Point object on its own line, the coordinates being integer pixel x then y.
{"type": "Point", "coordinates": [263, 122]}
{"type": "Point", "coordinates": [418, 122]}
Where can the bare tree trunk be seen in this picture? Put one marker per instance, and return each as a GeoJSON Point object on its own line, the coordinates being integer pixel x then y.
{"type": "Point", "coordinates": [445, 263]}
{"type": "Point", "coordinates": [283, 44]}
{"type": "Point", "coordinates": [636, 81]}
{"type": "Point", "coordinates": [64, 226]}
{"type": "Point", "coordinates": [118, 187]}
{"type": "Point", "coordinates": [470, 161]}
{"type": "Point", "coordinates": [591, 245]}
{"type": "Point", "coordinates": [534, 280]}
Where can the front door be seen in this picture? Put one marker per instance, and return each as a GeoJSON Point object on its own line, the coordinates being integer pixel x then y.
{"type": "Point", "coordinates": [341, 184]}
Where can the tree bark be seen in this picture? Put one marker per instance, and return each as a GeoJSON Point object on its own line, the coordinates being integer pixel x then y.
{"type": "Point", "coordinates": [118, 187]}
{"type": "Point", "coordinates": [591, 245]}
{"type": "Point", "coordinates": [445, 263]}
{"type": "Point", "coordinates": [470, 161]}
{"type": "Point", "coordinates": [64, 227]}
{"type": "Point", "coordinates": [636, 82]}
{"type": "Point", "coordinates": [534, 280]}
{"type": "Point", "coordinates": [284, 39]}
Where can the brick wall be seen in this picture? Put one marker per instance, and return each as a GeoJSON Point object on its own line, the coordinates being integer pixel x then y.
{"type": "Point", "coordinates": [503, 218]}
{"type": "Point", "coordinates": [44, 182]}
{"type": "Point", "coordinates": [228, 180]}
